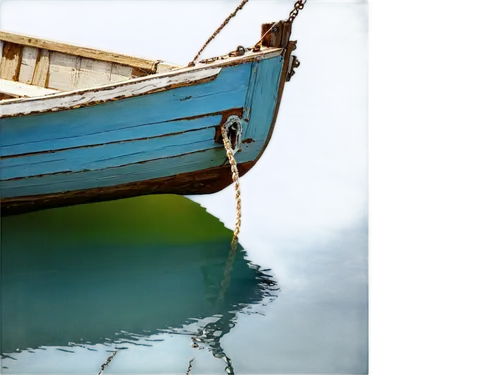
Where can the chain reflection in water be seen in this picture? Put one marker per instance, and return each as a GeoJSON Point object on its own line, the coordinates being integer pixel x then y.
{"type": "Point", "coordinates": [107, 362]}
{"type": "Point", "coordinates": [190, 366]}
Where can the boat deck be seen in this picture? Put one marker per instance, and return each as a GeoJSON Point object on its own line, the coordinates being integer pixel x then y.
{"type": "Point", "coordinates": [14, 89]}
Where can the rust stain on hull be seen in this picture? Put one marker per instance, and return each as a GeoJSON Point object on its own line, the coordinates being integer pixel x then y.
{"type": "Point", "coordinates": [207, 181]}
{"type": "Point", "coordinates": [218, 130]}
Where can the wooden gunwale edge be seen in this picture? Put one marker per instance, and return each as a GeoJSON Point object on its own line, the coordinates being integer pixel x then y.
{"type": "Point", "coordinates": [200, 67]}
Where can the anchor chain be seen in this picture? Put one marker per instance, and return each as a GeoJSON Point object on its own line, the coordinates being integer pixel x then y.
{"type": "Point", "coordinates": [226, 21]}
{"type": "Point", "coordinates": [299, 5]}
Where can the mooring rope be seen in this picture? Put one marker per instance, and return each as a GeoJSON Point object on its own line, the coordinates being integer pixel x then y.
{"type": "Point", "coordinates": [235, 176]}
{"type": "Point", "coordinates": [234, 246]}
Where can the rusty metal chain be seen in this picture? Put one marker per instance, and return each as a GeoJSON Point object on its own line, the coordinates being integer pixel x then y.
{"type": "Point", "coordinates": [299, 5]}
{"type": "Point", "coordinates": [242, 4]}
{"type": "Point", "coordinates": [234, 242]}
{"type": "Point", "coordinates": [108, 361]}
{"type": "Point", "coordinates": [235, 176]}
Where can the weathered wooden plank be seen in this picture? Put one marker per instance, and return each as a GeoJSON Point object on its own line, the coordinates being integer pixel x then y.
{"type": "Point", "coordinates": [1, 55]}
{"type": "Point", "coordinates": [63, 71]}
{"type": "Point", "coordinates": [164, 67]}
{"type": "Point", "coordinates": [70, 128]}
{"type": "Point", "coordinates": [119, 90]}
{"type": "Point", "coordinates": [93, 73]}
{"type": "Point", "coordinates": [109, 155]}
{"type": "Point", "coordinates": [41, 74]}
{"type": "Point", "coordinates": [279, 34]}
{"type": "Point", "coordinates": [90, 53]}
{"type": "Point", "coordinates": [128, 173]}
{"type": "Point", "coordinates": [21, 89]}
{"type": "Point", "coordinates": [120, 72]}
{"type": "Point", "coordinates": [11, 61]}
{"type": "Point", "coordinates": [28, 63]}
{"type": "Point", "coordinates": [67, 72]}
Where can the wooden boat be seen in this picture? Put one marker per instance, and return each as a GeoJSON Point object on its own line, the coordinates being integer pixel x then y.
{"type": "Point", "coordinates": [71, 282]}
{"type": "Point", "coordinates": [82, 125]}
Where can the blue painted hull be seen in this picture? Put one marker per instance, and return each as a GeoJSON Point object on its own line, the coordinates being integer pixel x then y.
{"type": "Point", "coordinates": [164, 142]}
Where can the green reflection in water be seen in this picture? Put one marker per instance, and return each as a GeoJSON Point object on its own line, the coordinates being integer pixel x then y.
{"type": "Point", "coordinates": [153, 219]}
{"type": "Point", "coordinates": [97, 273]}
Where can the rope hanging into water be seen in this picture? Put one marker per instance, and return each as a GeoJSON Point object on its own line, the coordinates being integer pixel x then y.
{"type": "Point", "coordinates": [235, 176]}
{"type": "Point", "coordinates": [232, 254]}
{"type": "Point", "coordinates": [234, 244]}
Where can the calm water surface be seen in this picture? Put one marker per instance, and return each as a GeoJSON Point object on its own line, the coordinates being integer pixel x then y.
{"type": "Point", "coordinates": [153, 278]}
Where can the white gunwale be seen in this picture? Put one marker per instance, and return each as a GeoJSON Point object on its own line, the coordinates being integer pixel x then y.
{"type": "Point", "coordinates": [129, 88]}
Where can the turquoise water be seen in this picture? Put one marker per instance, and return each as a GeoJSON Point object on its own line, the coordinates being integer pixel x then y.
{"type": "Point", "coordinates": [143, 276]}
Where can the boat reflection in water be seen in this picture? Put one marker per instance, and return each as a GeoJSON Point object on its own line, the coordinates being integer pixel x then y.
{"type": "Point", "coordinates": [97, 275]}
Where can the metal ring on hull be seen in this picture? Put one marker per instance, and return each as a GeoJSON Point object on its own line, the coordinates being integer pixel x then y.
{"type": "Point", "coordinates": [232, 126]}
